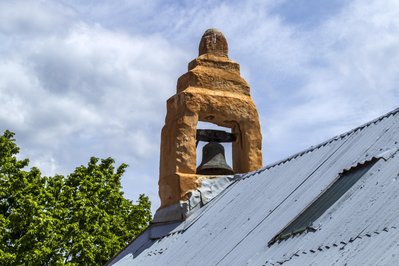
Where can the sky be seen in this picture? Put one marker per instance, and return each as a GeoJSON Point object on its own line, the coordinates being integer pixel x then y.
{"type": "Point", "coordinates": [91, 78]}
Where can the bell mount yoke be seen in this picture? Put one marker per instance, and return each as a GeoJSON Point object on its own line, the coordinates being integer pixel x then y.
{"type": "Point", "coordinates": [212, 135]}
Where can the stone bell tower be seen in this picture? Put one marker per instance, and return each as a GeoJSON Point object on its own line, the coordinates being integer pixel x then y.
{"type": "Point", "coordinates": [211, 91]}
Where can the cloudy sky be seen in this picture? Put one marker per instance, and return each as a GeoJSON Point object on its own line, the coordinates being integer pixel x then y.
{"type": "Point", "coordinates": [90, 78]}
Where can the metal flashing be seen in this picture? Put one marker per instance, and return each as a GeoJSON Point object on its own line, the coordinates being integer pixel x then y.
{"type": "Point", "coordinates": [208, 189]}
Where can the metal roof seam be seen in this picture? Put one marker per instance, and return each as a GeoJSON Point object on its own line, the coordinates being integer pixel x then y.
{"type": "Point", "coordinates": [338, 244]}
{"type": "Point", "coordinates": [357, 164]}
{"type": "Point", "coordinates": [279, 237]}
{"type": "Point", "coordinates": [278, 205]}
{"type": "Point", "coordinates": [213, 200]}
{"type": "Point", "coordinates": [341, 136]}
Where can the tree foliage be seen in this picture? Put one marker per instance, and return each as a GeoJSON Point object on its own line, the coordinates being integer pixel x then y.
{"type": "Point", "coordinates": [79, 219]}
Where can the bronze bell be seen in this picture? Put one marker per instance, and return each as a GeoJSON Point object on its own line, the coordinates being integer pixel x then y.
{"type": "Point", "coordinates": [214, 161]}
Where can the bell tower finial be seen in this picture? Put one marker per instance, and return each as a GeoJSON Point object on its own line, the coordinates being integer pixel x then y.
{"type": "Point", "coordinates": [211, 91]}
{"type": "Point", "coordinates": [213, 42]}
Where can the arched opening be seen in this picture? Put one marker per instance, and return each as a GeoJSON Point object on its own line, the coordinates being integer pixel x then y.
{"type": "Point", "coordinates": [227, 145]}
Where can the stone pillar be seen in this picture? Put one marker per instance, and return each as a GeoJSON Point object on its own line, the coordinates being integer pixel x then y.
{"type": "Point", "coordinates": [211, 91]}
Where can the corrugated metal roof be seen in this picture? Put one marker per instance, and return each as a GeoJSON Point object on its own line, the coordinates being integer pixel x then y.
{"type": "Point", "coordinates": [234, 228]}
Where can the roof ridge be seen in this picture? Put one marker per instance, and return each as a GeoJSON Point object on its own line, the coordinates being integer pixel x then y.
{"type": "Point", "coordinates": [312, 148]}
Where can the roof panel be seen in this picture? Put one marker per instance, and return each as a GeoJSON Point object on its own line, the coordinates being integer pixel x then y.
{"type": "Point", "coordinates": [235, 227]}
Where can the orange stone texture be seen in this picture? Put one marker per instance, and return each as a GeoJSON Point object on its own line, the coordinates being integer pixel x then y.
{"type": "Point", "coordinates": [211, 91]}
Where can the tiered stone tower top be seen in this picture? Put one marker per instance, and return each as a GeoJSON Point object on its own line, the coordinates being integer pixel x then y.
{"type": "Point", "coordinates": [211, 91]}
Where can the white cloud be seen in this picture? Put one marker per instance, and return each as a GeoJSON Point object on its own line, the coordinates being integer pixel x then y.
{"type": "Point", "coordinates": [88, 91]}
{"type": "Point", "coordinates": [349, 78]}
{"type": "Point", "coordinates": [81, 79]}
{"type": "Point", "coordinates": [34, 18]}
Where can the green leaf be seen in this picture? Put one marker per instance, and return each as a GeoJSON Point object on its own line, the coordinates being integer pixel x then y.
{"type": "Point", "coordinates": [78, 219]}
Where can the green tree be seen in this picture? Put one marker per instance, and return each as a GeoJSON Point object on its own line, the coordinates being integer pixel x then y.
{"type": "Point", "coordinates": [79, 219]}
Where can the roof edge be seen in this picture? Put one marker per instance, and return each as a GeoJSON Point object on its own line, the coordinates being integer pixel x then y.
{"type": "Point", "coordinates": [312, 148]}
